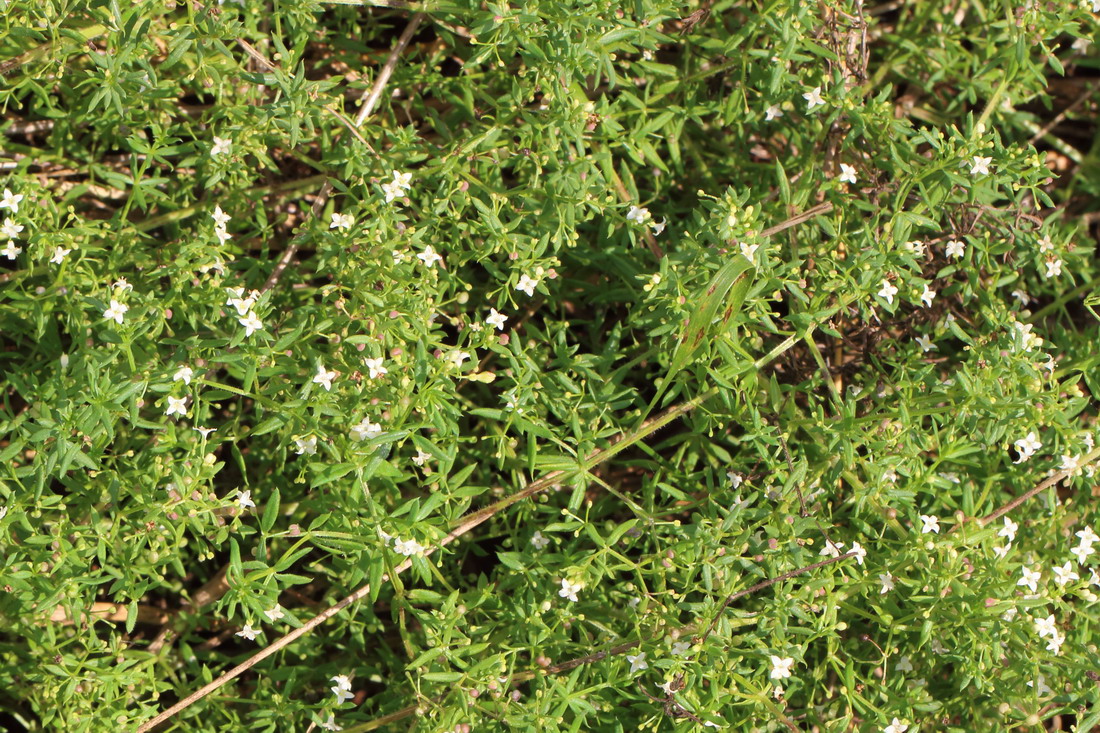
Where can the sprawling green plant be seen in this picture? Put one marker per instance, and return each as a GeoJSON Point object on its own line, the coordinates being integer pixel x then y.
{"type": "Point", "coordinates": [624, 365]}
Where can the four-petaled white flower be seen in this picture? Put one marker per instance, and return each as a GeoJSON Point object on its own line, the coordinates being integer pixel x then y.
{"type": "Point", "coordinates": [421, 456]}
{"type": "Point", "coordinates": [1029, 577]}
{"type": "Point", "coordinates": [220, 217]}
{"type": "Point", "coordinates": [342, 689]}
{"type": "Point", "coordinates": [408, 547]}
{"type": "Point", "coordinates": [244, 499]}
{"type": "Point", "coordinates": [1071, 464]}
{"type": "Point", "coordinates": [831, 549]}
{"type": "Point", "coordinates": [306, 446]}
{"type": "Point", "coordinates": [1045, 626]}
{"type": "Point", "coordinates": [10, 229]}
{"type": "Point", "coordinates": [980, 166]}
{"type": "Point", "coordinates": [375, 368]}
{"type": "Point", "coordinates": [1045, 245]}
{"type": "Point", "coordinates": [955, 248]}
{"type": "Point", "coordinates": [115, 312]}
{"type": "Point", "coordinates": [342, 221]}
{"type": "Point", "coordinates": [527, 284]}
{"type": "Point", "coordinates": [915, 248]}
{"type": "Point", "coordinates": [429, 256]}
{"type": "Point", "coordinates": [771, 113]}
{"type": "Point", "coordinates": [10, 250]}
{"type": "Point", "coordinates": [887, 582]}
{"type": "Point", "coordinates": [1001, 551]}
{"type": "Point", "coordinates": [1087, 536]}
{"type": "Point", "coordinates": [1009, 530]}
{"type": "Point", "coordinates": [888, 292]}
{"type": "Point", "coordinates": [749, 250]}
{"type": "Point", "coordinates": [251, 323]}
{"type": "Point", "coordinates": [538, 541]}
{"type": "Point", "coordinates": [1054, 643]}
{"type": "Point", "coordinates": [681, 648]}
{"type": "Point", "coordinates": [638, 214]}
{"type": "Point", "coordinates": [221, 146]}
{"type": "Point", "coordinates": [637, 662]}
{"type": "Point", "coordinates": [896, 726]}
{"type": "Point", "coordinates": [59, 255]}
{"type": "Point", "coordinates": [456, 357]}
{"type": "Point", "coordinates": [1021, 296]}
{"type": "Point", "coordinates": [274, 613]}
{"type": "Point", "coordinates": [496, 319]}
{"type": "Point", "coordinates": [781, 667]}
{"type": "Point", "coordinates": [177, 406]}
{"type": "Point", "coordinates": [569, 590]}
{"type": "Point", "coordinates": [1082, 552]}
{"type": "Point", "coordinates": [735, 479]}
{"type": "Point", "coordinates": [927, 296]}
{"type": "Point", "coordinates": [1054, 268]}
{"type": "Point", "coordinates": [904, 665]}
{"type": "Point", "coordinates": [402, 181]}
{"type": "Point", "coordinates": [183, 374]}
{"type": "Point", "coordinates": [330, 723]}
{"type": "Point", "coordinates": [860, 552]}
{"type": "Point", "coordinates": [931, 524]}
{"type": "Point", "coordinates": [1065, 574]}
{"type": "Point", "coordinates": [847, 174]}
{"type": "Point", "coordinates": [813, 98]}
{"type": "Point", "coordinates": [658, 227]}
{"type": "Point", "coordinates": [324, 378]}
{"type": "Point", "coordinates": [205, 432]}
{"type": "Point", "coordinates": [248, 632]}
{"type": "Point", "coordinates": [366, 430]}
{"type": "Point", "coordinates": [11, 201]}
{"type": "Point", "coordinates": [925, 343]}
{"type": "Point", "coordinates": [1026, 447]}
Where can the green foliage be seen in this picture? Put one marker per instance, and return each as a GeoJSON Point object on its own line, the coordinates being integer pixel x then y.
{"type": "Point", "coordinates": [820, 233]}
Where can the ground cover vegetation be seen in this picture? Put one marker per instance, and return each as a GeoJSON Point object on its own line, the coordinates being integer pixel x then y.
{"type": "Point", "coordinates": [548, 365]}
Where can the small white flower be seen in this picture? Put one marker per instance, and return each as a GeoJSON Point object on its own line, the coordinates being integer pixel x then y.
{"type": "Point", "coordinates": [1045, 245]}
{"type": "Point", "coordinates": [496, 319]}
{"type": "Point", "coordinates": [847, 174]}
{"type": "Point", "coordinates": [220, 217]}
{"type": "Point", "coordinates": [375, 368]}
{"type": "Point", "coordinates": [1065, 574]}
{"type": "Point", "coordinates": [538, 541]}
{"type": "Point", "coordinates": [931, 524]}
{"type": "Point", "coordinates": [366, 430]}
{"type": "Point", "coordinates": [980, 166]}
{"type": "Point", "coordinates": [177, 406]}
{"type": "Point", "coordinates": [527, 285]}
{"type": "Point", "coordinates": [402, 181]}
{"type": "Point", "coordinates": [1082, 552]}
{"type": "Point", "coordinates": [813, 98]}
{"type": "Point", "coordinates": [251, 323]}
{"type": "Point", "coordinates": [860, 553]}
{"type": "Point", "coordinates": [888, 292]}
{"type": "Point", "coordinates": [248, 632]}
{"type": "Point", "coordinates": [735, 479]}
{"type": "Point", "coordinates": [10, 229]}
{"type": "Point", "coordinates": [1086, 535]}
{"type": "Point", "coordinates": [456, 357]}
{"type": "Point", "coordinates": [927, 296]}
{"type": "Point", "coordinates": [1029, 577]}
{"type": "Point", "coordinates": [1054, 643]}
{"type": "Point", "coordinates": [781, 667]}
{"type": "Point", "coordinates": [183, 374]}
{"type": "Point", "coordinates": [392, 191]}
{"type": "Point", "coordinates": [10, 251]}
{"type": "Point", "coordinates": [1071, 464]}
{"type": "Point", "coordinates": [1026, 447]}
{"type": "Point", "coordinates": [221, 146]}
{"type": "Point", "coordinates": [772, 113]}
{"type": "Point", "coordinates": [324, 378]}
{"type": "Point", "coordinates": [274, 613]}
{"type": "Point", "coordinates": [330, 723]}
{"type": "Point", "coordinates": [633, 602]}
{"type": "Point", "coordinates": [637, 662]}
{"type": "Point", "coordinates": [429, 256]}
{"type": "Point", "coordinates": [1021, 296]}
{"type": "Point", "coordinates": [1045, 626]}
{"type": "Point", "coordinates": [408, 547]}
{"type": "Point", "coordinates": [915, 248]}
{"type": "Point", "coordinates": [749, 250]}
{"type": "Point", "coordinates": [637, 214]}
{"type": "Point", "coordinates": [1041, 686]}
{"type": "Point", "coordinates": [205, 432]}
{"type": "Point", "coordinates": [955, 248]}
{"type": "Point", "coordinates": [1054, 268]}
{"type": "Point", "coordinates": [925, 343]}
{"type": "Point", "coordinates": [887, 581]}
{"type": "Point", "coordinates": [341, 221]}
{"type": "Point", "coordinates": [11, 201]}
{"type": "Point", "coordinates": [1009, 530]}
{"type": "Point", "coordinates": [59, 255]}
{"type": "Point", "coordinates": [569, 590]}
{"type": "Point", "coordinates": [115, 312]}
{"type": "Point", "coordinates": [830, 549]}
{"type": "Point", "coordinates": [342, 689]}
{"type": "Point", "coordinates": [421, 457]}
{"type": "Point", "coordinates": [903, 665]}
{"type": "Point", "coordinates": [306, 446]}
{"type": "Point", "coordinates": [244, 499]}
{"type": "Point", "coordinates": [896, 726]}
{"type": "Point", "coordinates": [658, 228]}
{"type": "Point", "coordinates": [1001, 551]}
{"type": "Point", "coordinates": [681, 648]}
{"type": "Point", "coordinates": [398, 257]}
